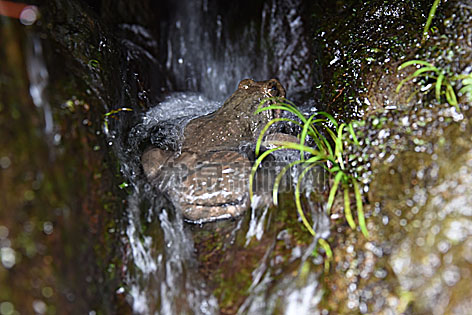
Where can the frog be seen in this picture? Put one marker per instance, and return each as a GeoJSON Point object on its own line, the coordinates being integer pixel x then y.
{"type": "Point", "coordinates": [207, 179]}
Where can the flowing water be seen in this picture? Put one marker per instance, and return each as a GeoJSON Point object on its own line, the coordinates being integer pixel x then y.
{"type": "Point", "coordinates": [207, 53]}
{"type": "Point", "coordinates": [210, 50]}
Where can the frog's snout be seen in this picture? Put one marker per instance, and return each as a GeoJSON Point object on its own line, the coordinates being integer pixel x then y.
{"type": "Point", "coordinates": [274, 88]}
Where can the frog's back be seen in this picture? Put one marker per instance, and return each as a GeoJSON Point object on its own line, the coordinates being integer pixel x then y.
{"type": "Point", "coordinates": [207, 134]}
{"type": "Point", "coordinates": [235, 122]}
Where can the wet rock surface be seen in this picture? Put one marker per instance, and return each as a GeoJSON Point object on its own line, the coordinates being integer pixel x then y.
{"type": "Point", "coordinates": [272, 239]}
{"type": "Point", "coordinates": [414, 154]}
{"type": "Point", "coordinates": [430, 236]}
{"type": "Point", "coordinates": [59, 200]}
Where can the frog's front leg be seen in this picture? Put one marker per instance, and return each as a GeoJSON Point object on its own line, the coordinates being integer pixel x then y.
{"type": "Point", "coordinates": [207, 213]}
{"type": "Point", "coordinates": [215, 186]}
{"type": "Point", "coordinates": [276, 139]}
{"type": "Point", "coordinates": [153, 159]}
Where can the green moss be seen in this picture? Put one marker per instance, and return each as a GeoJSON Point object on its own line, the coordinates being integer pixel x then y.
{"type": "Point", "coordinates": [364, 37]}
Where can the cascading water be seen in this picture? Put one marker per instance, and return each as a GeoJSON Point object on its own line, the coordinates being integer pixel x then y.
{"type": "Point", "coordinates": [204, 54]}
{"type": "Point", "coordinates": [38, 76]}
{"type": "Point", "coordinates": [207, 53]}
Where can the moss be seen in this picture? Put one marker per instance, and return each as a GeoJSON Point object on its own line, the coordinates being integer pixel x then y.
{"type": "Point", "coordinates": [406, 147]}
{"type": "Point", "coordinates": [364, 37]}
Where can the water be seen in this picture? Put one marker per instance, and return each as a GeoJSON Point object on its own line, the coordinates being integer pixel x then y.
{"type": "Point", "coordinates": [207, 53]}
{"type": "Point", "coordinates": [38, 77]}
{"type": "Point", "coordinates": [165, 123]}
{"type": "Point", "coordinates": [163, 265]}
{"type": "Point", "coordinates": [210, 50]}
{"type": "Point", "coordinates": [162, 268]}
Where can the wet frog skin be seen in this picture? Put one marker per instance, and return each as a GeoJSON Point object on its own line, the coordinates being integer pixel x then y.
{"type": "Point", "coordinates": [209, 179]}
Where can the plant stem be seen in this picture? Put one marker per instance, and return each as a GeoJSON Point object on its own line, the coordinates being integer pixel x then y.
{"type": "Point", "coordinates": [432, 12]}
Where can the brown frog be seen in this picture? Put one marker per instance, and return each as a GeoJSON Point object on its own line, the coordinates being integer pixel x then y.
{"type": "Point", "coordinates": [210, 175]}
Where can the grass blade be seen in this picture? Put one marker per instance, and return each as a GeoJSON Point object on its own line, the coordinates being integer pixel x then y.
{"type": "Point", "coordinates": [115, 111]}
{"type": "Point", "coordinates": [296, 146]}
{"type": "Point", "coordinates": [279, 105]}
{"type": "Point", "coordinates": [331, 118]}
{"type": "Point", "coordinates": [275, 190]}
{"type": "Point", "coordinates": [466, 89]}
{"type": "Point", "coordinates": [303, 135]}
{"type": "Point", "coordinates": [417, 73]}
{"type": "Point", "coordinates": [438, 86]}
{"type": "Point", "coordinates": [412, 95]}
{"type": "Point", "coordinates": [282, 106]}
{"type": "Point", "coordinates": [266, 127]}
{"type": "Point", "coordinates": [328, 251]}
{"type": "Point", "coordinates": [334, 188]}
{"type": "Point", "coordinates": [465, 77]}
{"type": "Point", "coordinates": [278, 179]}
{"type": "Point", "coordinates": [347, 209]}
{"type": "Point", "coordinates": [360, 208]}
{"type": "Point", "coordinates": [451, 96]}
{"type": "Point", "coordinates": [338, 151]}
{"type": "Point", "coordinates": [333, 169]}
{"type": "Point", "coordinates": [353, 134]}
{"type": "Point", "coordinates": [431, 14]}
{"type": "Point", "coordinates": [327, 146]}
{"type": "Point", "coordinates": [298, 200]}
{"type": "Point", "coordinates": [414, 62]}
{"type": "Point", "coordinates": [254, 169]}
{"type": "Point", "coordinates": [332, 134]}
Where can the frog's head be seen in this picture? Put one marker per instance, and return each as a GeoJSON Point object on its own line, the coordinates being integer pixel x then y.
{"type": "Point", "coordinates": [265, 89]}
{"type": "Point", "coordinates": [269, 88]}
{"type": "Point", "coordinates": [258, 91]}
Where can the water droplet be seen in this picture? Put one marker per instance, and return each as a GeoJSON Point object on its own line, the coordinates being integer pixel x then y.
{"type": "Point", "coordinates": [8, 258]}
{"type": "Point", "coordinates": [48, 228]}
{"type": "Point", "coordinates": [5, 162]}
{"type": "Point", "coordinates": [385, 220]}
{"type": "Point", "coordinates": [29, 15]}
{"type": "Point", "coordinates": [39, 306]}
{"type": "Point", "coordinates": [47, 292]}
{"type": "Point", "coordinates": [6, 308]}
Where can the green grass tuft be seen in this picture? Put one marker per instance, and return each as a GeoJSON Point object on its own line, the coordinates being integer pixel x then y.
{"type": "Point", "coordinates": [329, 138]}
{"type": "Point", "coordinates": [443, 81]}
